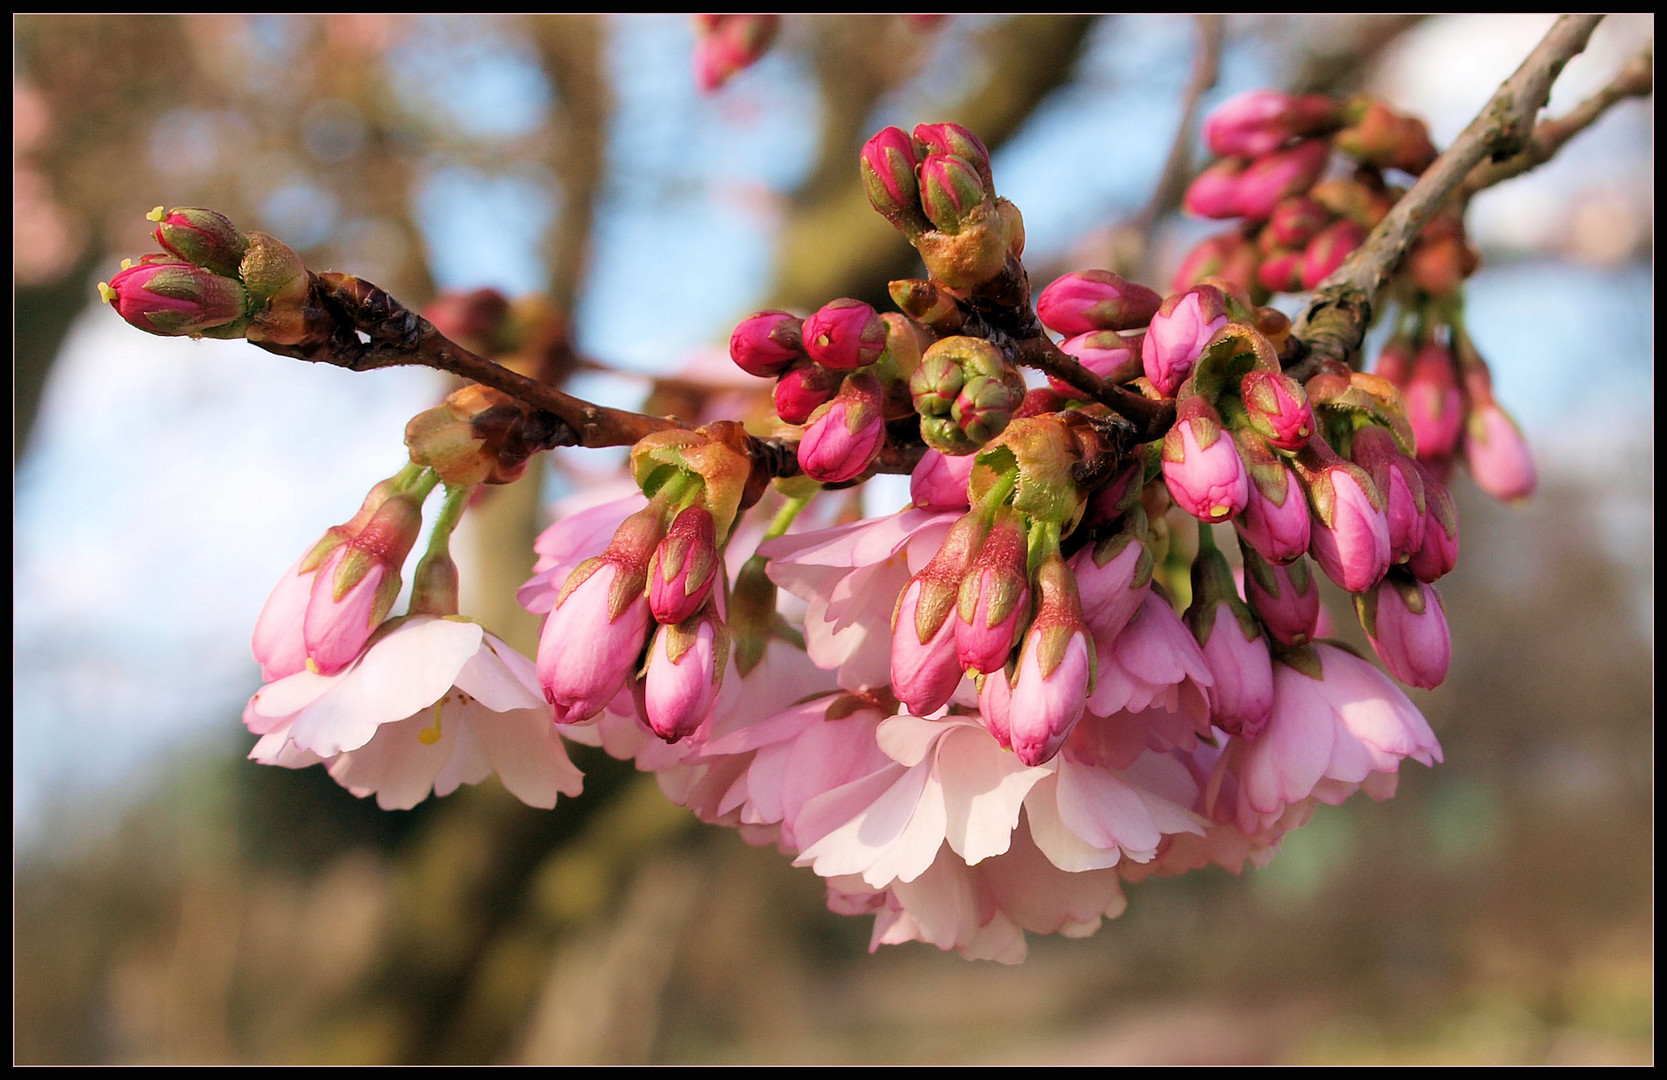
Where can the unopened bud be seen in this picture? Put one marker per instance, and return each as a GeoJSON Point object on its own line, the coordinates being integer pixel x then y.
{"type": "Point", "coordinates": [1183, 325]}
{"type": "Point", "coordinates": [1327, 251]}
{"type": "Point", "coordinates": [925, 303]}
{"type": "Point", "coordinates": [804, 390]}
{"type": "Point", "coordinates": [1278, 409]}
{"type": "Point", "coordinates": [889, 162]}
{"type": "Point", "coordinates": [958, 141]}
{"type": "Point", "coordinates": [1104, 352]}
{"type": "Point", "coordinates": [952, 193]}
{"type": "Point", "coordinates": [1214, 192]}
{"type": "Point", "coordinates": [844, 334]}
{"type": "Point", "coordinates": [202, 237]}
{"type": "Point", "coordinates": [1259, 122]}
{"type": "Point", "coordinates": [684, 567]}
{"type": "Point", "coordinates": [1089, 300]}
{"type": "Point", "coordinates": [173, 299]}
{"type": "Point", "coordinates": [729, 44]}
{"type": "Point", "coordinates": [1201, 465]}
{"type": "Point", "coordinates": [767, 343]}
{"type": "Point", "coordinates": [842, 440]}
{"type": "Point", "coordinates": [1279, 176]}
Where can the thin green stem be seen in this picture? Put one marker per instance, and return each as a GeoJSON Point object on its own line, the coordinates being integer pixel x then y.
{"type": "Point", "coordinates": [784, 517]}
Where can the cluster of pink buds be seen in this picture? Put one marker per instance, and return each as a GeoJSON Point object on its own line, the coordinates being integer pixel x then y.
{"type": "Point", "coordinates": [841, 372]}
{"type": "Point", "coordinates": [657, 585]}
{"type": "Point", "coordinates": [211, 280]}
{"type": "Point", "coordinates": [1448, 393]}
{"type": "Point", "coordinates": [1297, 227]}
{"type": "Point", "coordinates": [726, 45]}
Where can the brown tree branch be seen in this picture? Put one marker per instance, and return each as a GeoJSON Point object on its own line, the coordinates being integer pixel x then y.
{"type": "Point", "coordinates": [1335, 322]}
{"type": "Point", "coordinates": [1635, 79]}
{"type": "Point", "coordinates": [1177, 168]}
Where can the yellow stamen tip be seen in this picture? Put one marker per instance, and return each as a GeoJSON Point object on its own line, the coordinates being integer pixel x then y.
{"type": "Point", "coordinates": [428, 736]}
{"type": "Point", "coordinates": [127, 264]}
{"type": "Point", "coordinates": [312, 665]}
{"type": "Point", "coordinates": [106, 292]}
{"type": "Point", "coordinates": [155, 215]}
{"type": "Point", "coordinates": [1219, 512]}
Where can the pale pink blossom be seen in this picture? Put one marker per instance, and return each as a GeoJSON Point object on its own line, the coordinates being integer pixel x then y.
{"type": "Point", "coordinates": [983, 911]}
{"type": "Point", "coordinates": [851, 577]}
{"type": "Point", "coordinates": [278, 644]}
{"type": "Point", "coordinates": [1328, 736]}
{"type": "Point", "coordinates": [939, 481]}
{"type": "Point", "coordinates": [582, 529]}
{"type": "Point", "coordinates": [1153, 664]}
{"type": "Point", "coordinates": [431, 704]}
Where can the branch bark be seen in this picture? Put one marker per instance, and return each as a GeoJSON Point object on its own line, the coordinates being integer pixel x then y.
{"type": "Point", "coordinates": [1335, 322]}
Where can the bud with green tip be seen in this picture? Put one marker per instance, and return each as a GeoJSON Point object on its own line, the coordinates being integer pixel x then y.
{"type": "Point", "coordinates": [176, 298]}
{"type": "Point", "coordinates": [889, 162]}
{"type": "Point", "coordinates": [958, 141]}
{"type": "Point", "coordinates": [201, 237]}
{"type": "Point", "coordinates": [952, 193]}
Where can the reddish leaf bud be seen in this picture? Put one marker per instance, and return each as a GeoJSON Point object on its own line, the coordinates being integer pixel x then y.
{"type": "Point", "coordinates": [889, 162]}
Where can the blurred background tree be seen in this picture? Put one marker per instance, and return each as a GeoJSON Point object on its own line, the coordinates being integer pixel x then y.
{"type": "Point", "coordinates": [181, 905]}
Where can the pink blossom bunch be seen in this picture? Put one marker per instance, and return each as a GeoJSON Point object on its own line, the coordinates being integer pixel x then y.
{"type": "Point", "coordinates": [1272, 151]}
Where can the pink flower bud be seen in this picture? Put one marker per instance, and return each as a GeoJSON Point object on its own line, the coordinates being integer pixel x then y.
{"type": "Point", "coordinates": [841, 442]}
{"type": "Point", "coordinates": [952, 193]}
{"type": "Point", "coordinates": [1089, 300]}
{"type": "Point", "coordinates": [888, 163]}
{"type": "Point", "coordinates": [766, 344]}
{"type": "Point", "coordinates": [1295, 221]}
{"type": "Point", "coordinates": [1285, 598]}
{"type": "Point", "coordinates": [939, 481]}
{"type": "Point", "coordinates": [1406, 625]}
{"type": "Point", "coordinates": [1438, 553]}
{"type": "Point", "coordinates": [278, 644]}
{"type": "Point", "coordinates": [1327, 251]}
{"type": "Point", "coordinates": [590, 643]}
{"type": "Point", "coordinates": [685, 671]}
{"type": "Point", "coordinates": [1278, 408]}
{"type": "Point", "coordinates": [1281, 271]}
{"type": "Point", "coordinates": [844, 335]}
{"type": "Point", "coordinates": [1277, 176]}
{"type": "Point", "coordinates": [358, 583]}
{"type": "Point", "coordinates": [995, 706]}
{"type": "Point", "coordinates": [729, 44]}
{"type": "Point", "coordinates": [1395, 361]}
{"type": "Point", "coordinates": [994, 598]}
{"type": "Point", "coordinates": [958, 141]}
{"type": "Point", "coordinates": [684, 566]}
{"type": "Point", "coordinates": [1055, 673]}
{"type": "Point", "coordinates": [1242, 697]}
{"type": "Point", "coordinates": [924, 669]}
{"type": "Point", "coordinates": [202, 237]}
{"type": "Point", "coordinates": [1113, 578]}
{"type": "Point", "coordinates": [1279, 528]}
{"type": "Point", "coordinates": [1434, 404]}
{"type": "Point", "coordinates": [337, 625]}
{"type": "Point", "coordinates": [1214, 192]}
{"type": "Point", "coordinates": [1104, 352]}
{"type": "Point", "coordinates": [1497, 454]}
{"type": "Point", "coordinates": [1399, 482]}
{"type": "Point", "coordinates": [171, 299]}
{"type": "Point", "coordinates": [477, 319]}
{"type": "Point", "coordinates": [1179, 331]}
{"type": "Point", "coordinates": [1202, 469]}
{"type": "Point", "coordinates": [804, 390]}
{"type": "Point", "coordinates": [1350, 537]}
{"type": "Point", "coordinates": [1230, 256]}
{"type": "Point", "coordinates": [1260, 121]}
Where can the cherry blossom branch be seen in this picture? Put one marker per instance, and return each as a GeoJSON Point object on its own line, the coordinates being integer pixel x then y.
{"type": "Point", "coordinates": [1335, 321]}
{"type": "Point", "coordinates": [1636, 79]}
{"type": "Point", "coordinates": [1149, 418]}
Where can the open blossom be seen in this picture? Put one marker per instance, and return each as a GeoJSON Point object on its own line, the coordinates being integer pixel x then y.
{"type": "Point", "coordinates": [1335, 725]}
{"type": "Point", "coordinates": [431, 704]}
{"type": "Point", "coordinates": [851, 576]}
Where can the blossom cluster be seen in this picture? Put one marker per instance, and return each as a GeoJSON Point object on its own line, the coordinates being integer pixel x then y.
{"type": "Point", "coordinates": [981, 715]}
